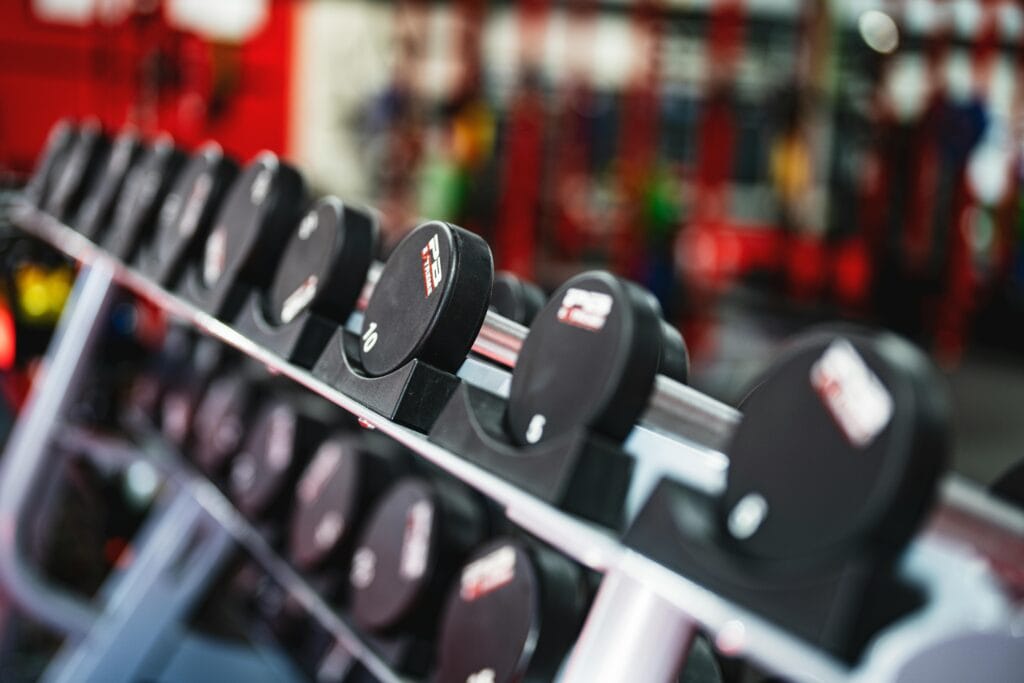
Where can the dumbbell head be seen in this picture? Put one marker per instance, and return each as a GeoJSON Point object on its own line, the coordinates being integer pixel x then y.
{"type": "Point", "coordinates": [189, 208]}
{"type": "Point", "coordinates": [416, 537]}
{"type": "Point", "coordinates": [590, 360]}
{"type": "Point", "coordinates": [251, 227]}
{"type": "Point", "coordinates": [144, 191]}
{"type": "Point", "coordinates": [84, 160]}
{"type": "Point", "coordinates": [324, 265]}
{"type": "Point", "coordinates": [50, 162]}
{"type": "Point", "coordinates": [838, 453]}
{"type": "Point", "coordinates": [429, 302]}
{"type": "Point", "coordinates": [273, 452]}
{"type": "Point", "coordinates": [511, 616]}
{"type": "Point", "coordinates": [516, 299]}
{"type": "Point", "coordinates": [346, 473]}
{"type": "Point", "coordinates": [220, 421]}
{"type": "Point", "coordinates": [99, 206]}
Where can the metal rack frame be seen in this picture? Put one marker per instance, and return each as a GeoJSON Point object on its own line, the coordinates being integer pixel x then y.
{"type": "Point", "coordinates": [644, 615]}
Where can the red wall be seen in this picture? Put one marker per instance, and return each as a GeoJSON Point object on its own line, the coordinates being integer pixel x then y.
{"type": "Point", "coordinates": [142, 71]}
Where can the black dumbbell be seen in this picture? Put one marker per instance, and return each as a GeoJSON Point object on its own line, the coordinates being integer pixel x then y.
{"type": "Point", "coordinates": [98, 208]}
{"type": "Point", "coordinates": [52, 158]}
{"type": "Point", "coordinates": [429, 301]}
{"type": "Point", "coordinates": [516, 299]}
{"type": "Point", "coordinates": [417, 536]}
{"type": "Point", "coordinates": [276, 448]}
{"type": "Point", "coordinates": [348, 472]}
{"type": "Point", "coordinates": [144, 191]}
{"type": "Point", "coordinates": [590, 360]}
{"type": "Point", "coordinates": [838, 453]}
{"type": "Point", "coordinates": [511, 616]}
{"type": "Point", "coordinates": [251, 227]}
{"type": "Point", "coordinates": [221, 419]}
{"type": "Point", "coordinates": [188, 211]}
{"type": "Point", "coordinates": [86, 157]}
{"type": "Point", "coordinates": [323, 267]}
{"type": "Point", "coordinates": [186, 391]}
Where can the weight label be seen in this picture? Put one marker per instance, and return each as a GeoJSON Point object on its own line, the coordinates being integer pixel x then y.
{"type": "Point", "coordinates": [748, 515]}
{"type": "Point", "coordinates": [169, 210]}
{"type": "Point", "coordinates": [364, 568]}
{"type": "Point", "coordinates": [260, 187]}
{"type": "Point", "coordinates": [482, 676]}
{"type": "Point", "coordinates": [216, 254]}
{"type": "Point", "coordinates": [194, 205]}
{"type": "Point", "coordinates": [488, 574]}
{"type": "Point", "coordinates": [585, 309]}
{"type": "Point", "coordinates": [431, 257]}
{"type": "Point", "coordinates": [299, 299]}
{"type": "Point", "coordinates": [308, 226]}
{"type": "Point", "coordinates": [279, 440]}
{"type": "Point", "coordinates": [324, 465]}
{"type": "Point", "coordinates": [416, 540]}
{"type": "Point", "coordinates": [370, 338]}
{"type": "Point", "coordinates": [535, 430]}
{"type": "Point", "coordinates": [852, 393]}
{"type": "Point", "coordinates": [328, 529]}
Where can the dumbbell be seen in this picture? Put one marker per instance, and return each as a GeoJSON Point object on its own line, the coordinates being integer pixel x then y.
{"type": "Point", "coordinates": [590, 360]}
{"type": "Point", "coordinates": [186, 391]}
{"type": "Point", "coordinates": [429, 301]}
{"type": "Point", "coordinates": [52, 158]}
{"type": "Point", "coordinates": [98, 208]}
{"type": "Point", "coordinates": [511, 616]}
{"type": "Point", "coordinates": [831, 470]}
{"type": "Point", "coordinates": [146, 389]}
{"type": "Point", "coordinates": [276, 448]}
{"type": "Point", "coordinates": [251, 229]}
{"type": "Point", "coordinates": [187, 213]}
{"type": "Point", "coordinates": [144, 191]}
{"type": "Point", "coordinates": [516, 299]}
{"type": "Point", "coordinates": [414, 541]}
{"type": "Point", "coordinates": [323, 267]}
{"type": "Point", "coordinates": [85, 158]}
{"type": "Point", "coordinates": [348, 472]}
{"type": "Point", "coordinates": [839, 451]}
{"type": "Point", "coordinates": [220, 421]}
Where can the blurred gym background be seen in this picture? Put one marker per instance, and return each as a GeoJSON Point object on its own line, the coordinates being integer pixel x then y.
{"type": "Point", "coordinates": [761, 165]}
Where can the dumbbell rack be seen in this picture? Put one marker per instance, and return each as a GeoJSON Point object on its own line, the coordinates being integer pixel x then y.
{"type": "Point", "coordinates": [643, 616]}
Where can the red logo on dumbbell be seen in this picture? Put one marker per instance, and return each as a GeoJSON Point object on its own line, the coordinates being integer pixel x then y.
{"type": "Point", "coordinates": [431, 256]}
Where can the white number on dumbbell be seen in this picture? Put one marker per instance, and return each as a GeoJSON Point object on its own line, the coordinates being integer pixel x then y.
{"type": "Point", "coordinates": [536, 429]}
{"type": "Point", "coordinates": [482, 676]}
{"type": "Point", "coordinates": [370, 337]}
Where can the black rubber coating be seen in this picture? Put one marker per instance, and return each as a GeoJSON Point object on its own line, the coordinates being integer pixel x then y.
{"type": "Point", "coordinates": [516, 299]}
{"type": "Point", "coordinates": [838, 454]}
{"type": "Point", "coordinates": [98, 208]}
{"type": "Point", "coordinates": [324, 265]}
{"type": "Point", "coordinates": [511, 616]}
{"type": "Point", "coordinates": [261, 470]}
{"type": "Point", "coordinates": [675, 357]}
{"type": "Point", "coordinates": [220, 421]}
{"type": "Point", "coordinates": [254, 223]}
{"type": "Point", "coordinates": [52, 158]}
{"type": "Point", "coordinates": [589, 360]}
{"type": "Point", "coordinates": [145, 188]}
{"type": "Point", "coordinates": [86, 157]}
{"type": "Point", "coordinates": [193, 200]}
{"type": "Point", "coordinates": [429, 302]}
{"type": "Point", "coordinates": [417, 536]}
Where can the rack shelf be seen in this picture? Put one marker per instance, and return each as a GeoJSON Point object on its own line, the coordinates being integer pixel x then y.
{"type": "Point", "coordinates": [943, 558]}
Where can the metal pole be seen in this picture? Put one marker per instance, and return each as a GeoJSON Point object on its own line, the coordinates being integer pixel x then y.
{"type": "Point", "coordinates": [631, 634]}
{"type": "Point", "coordinates": [28, 458]}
